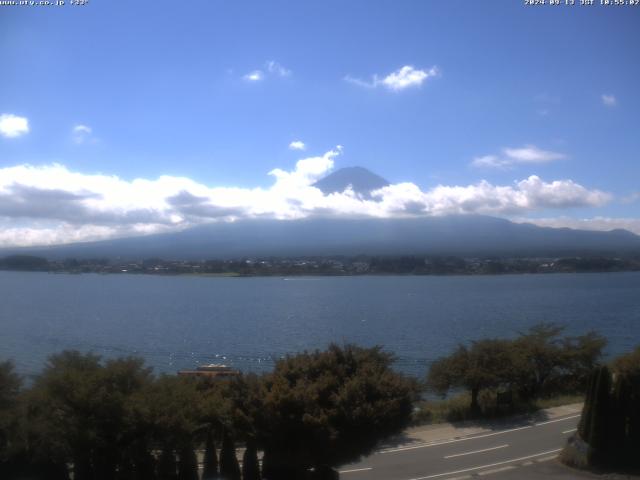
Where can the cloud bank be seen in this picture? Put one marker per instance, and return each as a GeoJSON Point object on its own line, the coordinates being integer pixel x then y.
{"type": "Point", "coordinates": [51, 204]}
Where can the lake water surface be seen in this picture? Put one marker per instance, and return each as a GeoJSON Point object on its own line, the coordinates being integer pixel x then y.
{"type": "Point", "coordinates": [182, 321]}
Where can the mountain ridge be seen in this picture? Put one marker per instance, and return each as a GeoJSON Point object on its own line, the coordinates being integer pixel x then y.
{"type": "Point", "coordinates": [361, 180]}
{"type": "Point", "coordinates": [461, 235]}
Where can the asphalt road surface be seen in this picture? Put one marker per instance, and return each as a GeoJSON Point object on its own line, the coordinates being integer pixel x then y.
{"type": "Point", "coordinates": [495, 452]}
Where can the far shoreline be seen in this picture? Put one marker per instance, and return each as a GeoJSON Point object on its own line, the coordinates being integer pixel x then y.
{"type": "Point", "coordinates": [328, 266]}
{"type": "Point", "coordinates": [315, 276]}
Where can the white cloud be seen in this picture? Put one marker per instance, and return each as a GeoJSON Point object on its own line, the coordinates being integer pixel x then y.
{"type": "Point", "coordinates": [271, 68]}
{"type": "Point", "coordinates": [52, 204]}
{"type": "Point", "coordinates": [297, 145]}
{"type": "Point", "coordinates": [403, 78]}
{"type": "Point", "coordinates": [81, 129]}
{"type": "Point", "coordinates": [595, 223]}
{"type": "Point", "coordinates": [12, 126]}
{"type": "Point", "coordinates": [532, 154]}
{"type": "Point", "coordinates": [529, 154]}
{"type": "Point", "coordinates": [406, 77]}
{"type": "Point", "coordinates": [609, 100]}
{"type": "Point", "coordinates": [81, 133]}
{"type": "Point", "coordinates": [277, 69]}
{"type": "Point", "coordinates": [70, 233]}
{"type": "Point", "coordinates": [530, 194]}
{"type": "Point", "coordinates": [254, 76]}
{"type": "Point", "coordinates": [358, 82]}
{"type": "Point", "coordinates": [491, 161]}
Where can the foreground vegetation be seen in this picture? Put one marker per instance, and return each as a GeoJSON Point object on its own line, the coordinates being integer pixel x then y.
{"type": "Point", "coordinates": [455, 408]}
{"type": "Point", "coordinates": [514, 374]}
{"type": "Point", "coordinates": [115, 420]}
{"type": "Point", "coordinates": [609, 431]}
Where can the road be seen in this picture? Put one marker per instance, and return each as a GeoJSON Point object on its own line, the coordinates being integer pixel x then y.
{"type": "Point", "coordinates": [490, 452]}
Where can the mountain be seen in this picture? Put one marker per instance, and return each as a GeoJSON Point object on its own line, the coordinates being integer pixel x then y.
{"type": "Point", "coordinates": [361, 180]}
{"type": "Point", "coordinates": [459, 235]}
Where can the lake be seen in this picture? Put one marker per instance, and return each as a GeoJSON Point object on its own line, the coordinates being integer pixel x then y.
{"type": "Point", "coordinates": [177, 322]}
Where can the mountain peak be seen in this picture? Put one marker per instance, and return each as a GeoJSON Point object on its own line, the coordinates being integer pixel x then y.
{"type": "Point", "coordinates": [361, 180]}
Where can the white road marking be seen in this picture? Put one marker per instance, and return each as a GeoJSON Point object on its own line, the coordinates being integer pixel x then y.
{"type": "Point", "coordinates": [445, 442]}
{"type": "Point", "coordinates": [546, 459]}
{"type": "Point", "coordinates": [401, 449]}
{"type": "Point", "coordinates": [557, 420]}
{"type": "Point", "coordinates": [571, 430]}
{"type": "Point", "coordinates": [496, 470]}
{"type": "Point", "coordinates": [356, 470]}
{"type": "Point", "coordinates": [477, 451]}
{"type": "Point", "coordinates": [480, 467]}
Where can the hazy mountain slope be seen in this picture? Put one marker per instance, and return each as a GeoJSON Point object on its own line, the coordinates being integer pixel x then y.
{"type": "Point", "coordinates": [453, 235]}
{"type": "Point", "coordinates": [466, 235]}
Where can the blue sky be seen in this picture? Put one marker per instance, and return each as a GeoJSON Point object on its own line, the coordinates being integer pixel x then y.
{"type": "Point", "coordinates": [461, 99]}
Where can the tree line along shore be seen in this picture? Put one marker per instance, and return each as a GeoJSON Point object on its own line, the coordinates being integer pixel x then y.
{"type": "Point", "coordinates": [86, 418]}
{"type": "Point", "coordinates": [337, 265]}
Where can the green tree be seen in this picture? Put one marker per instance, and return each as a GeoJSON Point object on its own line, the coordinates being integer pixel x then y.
{"type": "Point", "coordinates": [610, 422]}
{"type": "Point", "coordinates": [79, 412]}
{"type": "Point", "coordinates": [210, 470]}
{"type": "Point", "coordinates": [594, 427]}
{"type": "Point", "coordinates": [167, 468]}
{"type": "Point", "coordinates": [581, 355]}
{"type": "Point", "coordinates": [10, 384]}
{"type": "Point", "coordinates": [327, 408]}
{"type": "Point", "coordinates": [229, 467]}
{"type": "Point", "coordinates": [485, 364]}
{"type": "Point", "coordinates": [587, 410]}
{"type": "Point", "coordinates": [628, 365]}
{"type": "Point", "coordinates": [188, 465]}
{"type": "Point", "coordinates": [538, 362]}
{"type": "Point", "coordinates": [250, 465]}
{"type": "Point", "coordinates": [171, 409]}
{"type": "Point", "coordinates": [538, 356]}
{"type": "Point", "coordinates": [545, 363]}
{"type": "Point", "coordinates": [234, 406]}
{"type": "Point", "coordinates": [67, 394]}
{"type": "Point", "coordinates": [627, 405]}
{"type": "Point", "coordinates": [620, 408]}
{"type": "Point", "coordinates": [116, 436]}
